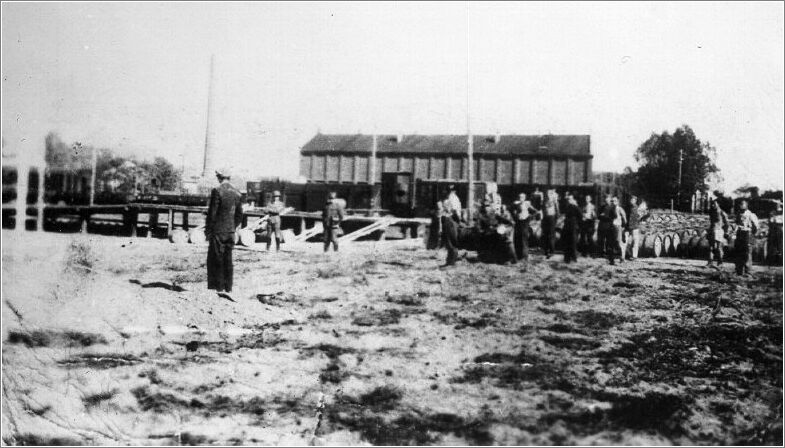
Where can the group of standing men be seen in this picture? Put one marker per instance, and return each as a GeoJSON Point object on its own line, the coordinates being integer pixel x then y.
{"type": "Point", "coordinates": [580, 224]}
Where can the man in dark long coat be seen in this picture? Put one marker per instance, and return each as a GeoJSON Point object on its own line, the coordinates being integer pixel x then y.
{"type": "Point", "coordinates": [571, 230]}
{"type": "Point", "coordinates": [224, 214]}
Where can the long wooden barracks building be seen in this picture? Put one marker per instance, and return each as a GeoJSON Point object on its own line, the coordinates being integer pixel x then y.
{"type": "Point", "coordinates": [406, 174]}
{"type": "Point", "coordinates": [413, 170]}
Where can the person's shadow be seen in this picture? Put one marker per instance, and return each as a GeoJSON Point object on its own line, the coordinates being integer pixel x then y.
{"type": "Point", "coordinates": [170, 287]}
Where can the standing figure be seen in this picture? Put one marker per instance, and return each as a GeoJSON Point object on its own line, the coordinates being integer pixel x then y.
{"type": "Point", "coordinates": [572, 222]}
{"type": "Point", "coordinates": [493, 197]}
{"type": "Point", "coordinates": [634, 219]}
{"type": "Point", "coordinates": [537, 198]}
{"type": "Point", "coordinates": [604, 226]}
{"type": "Point", "coordinates": [454, 201]}
{"type": "Point", "coordinates": [774, 241]}
{"type": "Point", "coordinates": [450, 217]}
{"type": "Point", "coordinates": [588, 220]}
{"type": "Point", "coordinates": [274, 211]}
{"type": "Point", "coordinates": [522, 213]}
{"type": "Point", "coordinates": [747, 227]}
{"type": "Point", "coordinates": [718, 227]}
{"type": "Point", "coordinates": [332, 216]}
{"type": "Point", "coordinates": [435, 230]}
{"type": "Point", "coordinates": [618, 221]}
{"type": "Point", "coordinates": [224, 215]}
{"type": "Point", "coordinates": [550, 214]}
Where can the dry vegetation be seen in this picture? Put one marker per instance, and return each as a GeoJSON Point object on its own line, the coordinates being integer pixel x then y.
{"type": "Point", "coordinates": [376, 345]}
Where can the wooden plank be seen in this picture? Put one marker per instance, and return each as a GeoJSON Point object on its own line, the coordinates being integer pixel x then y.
{"type": "Point", "coordinates": [379, 225]}
{"type": "Point", "coordinates": [310, 233]}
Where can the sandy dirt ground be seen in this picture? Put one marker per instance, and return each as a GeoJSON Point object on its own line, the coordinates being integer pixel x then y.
{"type": "Point", "coordinates": [110, 340]}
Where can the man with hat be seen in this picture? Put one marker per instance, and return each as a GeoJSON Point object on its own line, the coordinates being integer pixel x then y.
{"type": "Point", "coordinates": [224, 215]}
{"type": "Point", "coordinates": [274, 211]}
{"type": "Point", "coordinates": [332, 216]}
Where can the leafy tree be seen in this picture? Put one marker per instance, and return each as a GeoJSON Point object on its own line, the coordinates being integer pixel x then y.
{"type": "Point", "coordinates": [114, 173]}
{"type": "Point", "coordinates": [772, 194]}
{"type": "Point", "coordinates": [162, 174]}
{"type": "Point", "coordinates": [657, 178]}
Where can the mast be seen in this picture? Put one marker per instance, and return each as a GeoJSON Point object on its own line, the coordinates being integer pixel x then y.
{"type": "Point", "coordinates": [209, 138]}
{"type": "Point", "coordinates": [470, 140]}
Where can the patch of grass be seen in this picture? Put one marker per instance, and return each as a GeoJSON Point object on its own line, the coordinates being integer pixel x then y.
{"type": "Point", "coordinates": [382, 397]}
{"type": "Point", "coordinates": [378, 318]}
{"type": "Point", "coordinates": [30, 439]}
{"type": "Point", "coordinates": [405, 299]}
{"type": "Point", "coordinates": [321, 315]}
{"type": "Point", "coordinates": [165, 402]}
{"type": "Point", "coordinates": [47, 338]}
{"type": "Point", "coordinates": [189, 439]}
{"type": "Point", "coordinates": [462, 298]}
{"type": "Point", "coordinates": [95, 399]}
{"type": "Point", "coordinates": [571, 342]}
{"type": "Point", "coordinates": [330, 350]}
{"type": "Point", "coordinates": [80, 257]}
{"type": "Point", "coordinates": [151, 375]}
{"type": "Point", "coordinates": [192, 276]}
{"type": "Point", "coordinates": [360, 280]}
{"type": "Point", "coordinates": [100, 361]}
{"type": "Point", "coordinates": [411, 428]}
{"type": "Point", "coordinates": [333, 271]}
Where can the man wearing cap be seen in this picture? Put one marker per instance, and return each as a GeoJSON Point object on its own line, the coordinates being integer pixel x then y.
{"type": "Point", "coordinates": [332, 216]}
{"type": "Point", "coordinates": [274, 211]}
{"type": "Point", "coordinates": [224, 215]}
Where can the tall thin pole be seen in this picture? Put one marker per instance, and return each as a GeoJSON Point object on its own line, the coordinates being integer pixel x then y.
{"type": "Point", "coordinates": [93, 169]}
{"type": "Point", "coordinates": [208, 138]}
{"type": "Point", "coordinates": [470, 140]}
{"type": "Point", "coordinates": [678, 191]}
{"type": "Point", "coordinates": [372, 181]}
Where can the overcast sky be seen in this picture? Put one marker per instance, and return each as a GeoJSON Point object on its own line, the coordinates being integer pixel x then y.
{"type": "Point", "coordinates": [134, 77]}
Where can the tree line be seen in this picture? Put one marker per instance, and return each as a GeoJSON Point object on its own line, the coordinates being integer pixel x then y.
{"type": "Point", "coordinates": [114, 173]}
{"type": "Point", "coordinates": [673, 166]}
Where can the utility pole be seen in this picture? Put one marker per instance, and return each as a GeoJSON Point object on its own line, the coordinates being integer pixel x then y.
{"type": "Point", "coordinates": [209, 143]}
{"type": "Point", "coordinates": [372, 181]}
{"type": "Point", "coordinates": [93, 170]}
{"type": "Point", "coordinates": [470, 152]}
{"type": "Point", "coordinates": [678, 191]}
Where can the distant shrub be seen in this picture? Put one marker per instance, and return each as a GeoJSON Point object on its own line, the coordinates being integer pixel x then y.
{"type": "Point", "coordinates": [80, 257]}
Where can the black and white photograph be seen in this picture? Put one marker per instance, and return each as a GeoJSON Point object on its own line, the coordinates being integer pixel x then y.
{"type": "Point", "coordinates": [392, 223]}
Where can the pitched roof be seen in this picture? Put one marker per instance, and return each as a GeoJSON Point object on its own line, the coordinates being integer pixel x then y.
{"type": "Point", "coordinates": [553, 145]}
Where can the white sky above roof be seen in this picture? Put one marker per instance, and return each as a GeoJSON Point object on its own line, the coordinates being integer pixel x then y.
{"type": "Point", "coordinates": [133, 76]}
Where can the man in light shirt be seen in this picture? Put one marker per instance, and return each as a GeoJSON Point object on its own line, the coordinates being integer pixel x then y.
{"type": "Point", "coordinates": [588, 221]}
{"type": "Point", "coordinates": [747, 226]}
{"type": "Point", "coordinates": [522, 214]}
{"type": "Point", "coordinates": [618, 220]}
